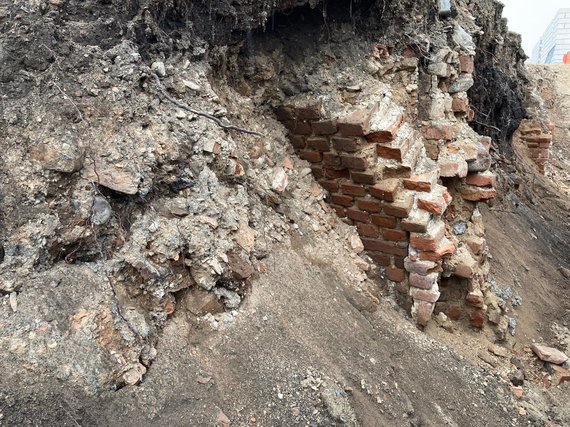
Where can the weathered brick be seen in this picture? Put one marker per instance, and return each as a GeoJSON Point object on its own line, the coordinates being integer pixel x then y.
{"type": "Point", "coordinates": [356, 123]}
{"type": "Point", "coordinates": [311, 156]}
{"type": "Point", "coordinates": [478, 194]}
{"type": "Point", "coordinates": [298, 141]}
{"type": "Point", "coordinates": [358, 215]}
{"type": "Point", "coordinates": [355, 163]}
{"type": "Point", "coordinates": [324, 127]}
{"type": "Point", "coordinates": [429, 241]}
{"type": "Point", "coordinates": [330, 185]}
{"type": "Point", "coordinates": [421, 312]}
{"type": "Point", "coordinates": [395, 274]}
{"type": "Point", "coordinates": [298, 127]}
{"type": "Point", "coordinates": [381, 259]}
{"type": "Point", "coordinates": [387, 152]}
{"type": "Point", "coordinates": [348, 145]}
{"type": "Point", "coordinates": [401, 207]}
{"type": "Point", "coordinates": [392, 248]}
{"type": "Point", "coordinates": [466, 64]}
{"type": "Point", "coordinates": [450, 166]}
{"type": "Point", "coordinates": [421, 182]}
{"type": "Point", "coordinates": [445, 248]}
{"type": "Point", "coordinates": [460, 105]}
{"type": "Point", "coordinates": [416, 222]}
{"type": "Point", "coordinates": [399, 261]}
{"type": "Point", "coordinates": [433, 203]}
{"type": "Point", "coordinates": [284, 113]}
{"type": "Point", "coordinates": [370, 205]}
{"type": "Point", "coordinates": [318, 143]}
{"type": "Point", "coordinates": [476, 244]}
{"type": "Point", "coordinates": [481, 179]}
{"type": "Point", "coordinates": [538, 153]}
{"type": "Point", "coordinates": [309, 112]}
{"type": "Point", "coordinates": [333, 173]}
{"type": "Point", "coordinates": [423, 268]}
{"type": "Point", "coordinates": [384, 221]}
{"type": "Point", "coordinates": [431, 295]}
{"type": "Point", "coordinates": [538, 138]}
{"type": "Point", "coordinates": [438, 131]}
{"type": "Point", "coordinates": [477, 318]}
{"type": "Point", "coordinates": [385, 190]}
{"type": "Point", "coordinates": [367, 230]}
{"type": "Point", "coordinates": [366, 177]}
{"type": "Point", "coordinates": [423, 282]}
{"type": "Point", "coordinates": [394, 235]}
{"type": "Point", "coordinates": [353, 189]}
{"type": "Point", "coordinates": [331, 159]}
{"type": "Point", "coordinates": [342, 200]}
{"type": "Point", "coordinates": [318, 172]}
{"type": "Point", "coordinates": [340, 211]}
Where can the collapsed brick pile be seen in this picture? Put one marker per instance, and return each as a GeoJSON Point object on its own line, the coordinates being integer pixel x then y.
{"type": "Point", "coordinates": [394, 173]}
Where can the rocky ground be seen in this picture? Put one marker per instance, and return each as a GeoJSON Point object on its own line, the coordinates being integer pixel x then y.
{"type": "Point", "coordinates": [157, 269]}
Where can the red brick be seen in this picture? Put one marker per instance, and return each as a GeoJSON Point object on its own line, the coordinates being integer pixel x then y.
{"type": "Point", "coordinates": [400, 208]}
{"type": "Point", "coordinates": [538, 138]}
{"type": "Point", "coordinates": [435, 205]}
{"type": "Point", "coordinates": [428, 241]}
{"type": "Point", "coordinates": [438, 131]}
{"type": "Point", "coordinates": [332, 173]}
{"type": "Point", "coordinates": [445, 248]}
{"type": "Point", "coordinates": [356, 123]}
{"type": "Point", "coordinates": [477, 194]}
{"type": "Point", "coordinates": [384, 221]}
{"type": "Point", "coordinates": [460, 105]}
{"type": "Point", "coordinates": [423, 282]}
{"type": "Point", "coordinates": [358, 215]}
{"type": "Point", "coordinates": [349, 145]}
{"type": "Point", "coordinates": [466, 64]}
{"type": "Point", "coordinates": [381, 259]}
{"type": "Point", "coordinates": [425, 295]}
{"type": "Point", "coordinates": [330, 185]}
{"type": "Point", "coordinates": [387, 152]}
{"type": "Point", "coordinates": [385, 190]}
{"type": "Point", "coordinates": [399, 261]}
{"type": "Point", "coordinates": [311, 112]}
{"type": "Point", "coordinates": [367, 230]}
{"type": "Point", "coordinates": [394, 235]}
{"type": "Point", "coordinates": [318, 172]}
{"type": "Point", "coordinates": [538, 153]}
{"type": "Point", "coordinates": [395, 274]}
{"type": "Point", "coordinates": [318, 143]}
{"type": "Point", "coordinates": [353, 189]}
{"type": "Point", "coordinates": [299, 127]}
{"type": "Point", "coordinates": [366, 177]}
{"type": "Point", "coordinates": [421, 182]}
{"type": "Point", "coordinates": [342, 200]}
{"type": "Point", "coordinates": [324, 127]}
{"type": "Point", "coordinates": [340, 211]}
{"type": "Point", "coordinates": [481, 179]}
{"type": "Point", "coordinates": [311, 156]}
{"type": "Point", "coordinates": [356, 163]}
{"type": "Point", "coordinates": [330, 159]}
{"type": "Point", "coordinates": [369, 205]}
{"type": "Point", "coordinates": [298, 141]}
{"type": "Point", "coordinates": [284, 113]}
{"type": "Point", "coordinates": [477, 318]}
{"type": "Point", "coordinates": [392, 248]}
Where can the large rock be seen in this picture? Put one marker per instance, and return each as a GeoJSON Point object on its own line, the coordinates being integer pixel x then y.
{"type": "Point", "coordinates": [549, 354]}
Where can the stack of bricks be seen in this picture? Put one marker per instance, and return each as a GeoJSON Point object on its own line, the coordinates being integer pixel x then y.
{"type": "Point", "coordinates": [379, 179]}
{"type": "Point", "coordinates": [537, 137]}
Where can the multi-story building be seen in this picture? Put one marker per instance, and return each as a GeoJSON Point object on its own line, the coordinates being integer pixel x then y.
{"type": "Point", "coordinates": [555, 42]}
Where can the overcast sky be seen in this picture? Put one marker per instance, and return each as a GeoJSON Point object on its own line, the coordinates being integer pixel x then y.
{"type": "Point", "coordinates": [531, 17]}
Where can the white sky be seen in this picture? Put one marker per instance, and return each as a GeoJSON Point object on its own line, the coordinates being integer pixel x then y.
{"type": "Point", "coordinates": [531, 17]}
